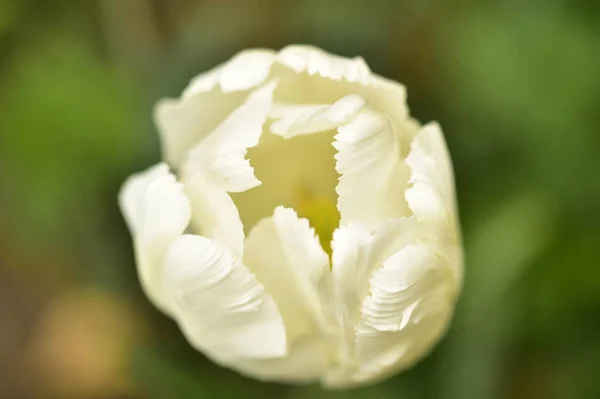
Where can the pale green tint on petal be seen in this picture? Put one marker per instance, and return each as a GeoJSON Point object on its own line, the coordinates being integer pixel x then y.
{"type": "Point", "coordinates": [286, 257]}
{"type": "Point", "coordinates": [373, 176]}
{"type": "Point", "coordinates": [157, 211]}
{"type": "Point", "coordinates": [220, 305]}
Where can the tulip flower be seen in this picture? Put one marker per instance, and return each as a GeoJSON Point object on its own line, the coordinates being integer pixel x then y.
{"type": "Point", "coordinates": [302, 226]}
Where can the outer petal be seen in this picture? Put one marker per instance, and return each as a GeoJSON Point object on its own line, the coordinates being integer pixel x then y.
{"type": "Point", "coordinates": [357, 252]}
{"type": "Point", "coordinates": [307, 360]}
{"type": "Point", "coordinates": [389, 98]}
{"type": "Point", "coordinates": [244, 71]}
{"type": "Point", "coordinates": [373, 178]}
{"type": "Point", "coordinates": [209, 99]}
{"type": "Point", "coordinates": [315, 61]}
{"type": "Point", "coordinates": [220, 157]}
{"type": "Point", "coordinates": [182, 123]}
{"type": "Point", "coordinates": [214, 216]}
{"type": "Point", "coordinates": [311, 75]}
{"type": "Point", "coordinates": [221, 306]}
{"type": "Point", "coordinates": [431, 197]}
{"type": "Point", "coordinates": [286, 256]}
{"type": "Point", "coordinates": [411, 300]}
{"type": "Point", "coordinates": [307, 119]}
{"type": "Point", "coordinates": [157, 211]}
{"type": "Point", "coordinates": [218, 165]}
{"type": "Point", "coordinates": [396, 296]}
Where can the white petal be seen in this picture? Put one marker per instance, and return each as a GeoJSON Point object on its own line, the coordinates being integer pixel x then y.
{"type": "Point", "coordinates": [221, 156]}
{"type": "Point", "coordinates": [313, 76]}
{"type": "Point", "coordinates": [157, 211]}
{"type": "Point", "coordinates": [286, 256]}
{"type": "Point", "coordinates": [373, 178]}
{"type": "Point", "coordinates": [307, 361]}
{"type": "Point", "coordinates": [315, 61]}
{"type": "Point", "coordinates": [410, 302]}
{"type": "Point", "coordinates": [296, 120]}
{"type": "Point", "coordinates": [244, 71]}
{"type": "Point", "coordinates": [218, 165]}
{"type": "Point", "coordinates": [396, 296]}
{"type": "Point", "coordinates": [309, 75]}
{"type": "Point", "coordinates": [431, 197]}
{"type": "Point", "coordinates": [182, 123]}
{"type": "Point", "coordinates": [221, 306]}
{"type": "Point", "coordinates": [388, 97]}
{"type": "Point", "coordinates": [357, 252]}
{"type": "Point", "coordinates": [214, 215]}
{"type": "Point", "coordinates": [204, 82]}
{"type": "Point", "coordinates": [207, 100]}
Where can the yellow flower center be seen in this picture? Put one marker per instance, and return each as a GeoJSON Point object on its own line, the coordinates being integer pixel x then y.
{"type": "Point", "coordinates": [323, 216]}
{"type": "Point", "coordinates": [297, 173]}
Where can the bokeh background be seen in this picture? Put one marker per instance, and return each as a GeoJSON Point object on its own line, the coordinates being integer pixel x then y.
{"type": "Point", "coordinates": [514, 83]}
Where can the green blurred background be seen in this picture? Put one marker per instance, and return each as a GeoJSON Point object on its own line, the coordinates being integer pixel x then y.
{"type": "Point", "coordinates": [515, 85]}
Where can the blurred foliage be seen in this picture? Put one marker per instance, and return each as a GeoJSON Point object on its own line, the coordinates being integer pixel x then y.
{"type": "Point", "coordinates": [515, 84]}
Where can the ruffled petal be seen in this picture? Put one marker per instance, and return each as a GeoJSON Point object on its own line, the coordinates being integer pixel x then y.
{"type": "Point", "coordinates": [244, 71]}
{"type": "Point", "coordinates": [220, 305]}
{"type": "Point", "coordinates": [207, 101]}
{"type": "Point", "coordinates": [357, 252]}
{"type": "Point", "coordinates": [389, 98]}
{"type": "Point", "coordinates": [294, 120]}
{"type": "Point", "coordinates": [395, 296]}
{"type": "Point", "coordinates": [315, 61]}
{"type": "Point", "coordinates": [217, 165]}
{"type": "Point", "coordinates": [221, 155]}
{"type": "Point", "coordinates": [373, 177]}
{"type": "Point", "coordinates": [312, 76]}
{"type": "Point", "coordinates": [182, 123]}
{"type": "Point", "coordinates": [214, 215]}
{"type": "Point", "coordinates": [309, 75]}
{"type": "Point", "coordinates": [287, 258]}
{"type": "Point", "coordinates": [157, 211]}
{"type": "Point", "coordinates": [411, 299]}
{"type": "Point", "coordinates": [431, 197]}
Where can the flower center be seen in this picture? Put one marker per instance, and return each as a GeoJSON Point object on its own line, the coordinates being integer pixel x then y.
{"type": "Point", "coordinates": [298, 173]}
{"type": "Point", "coordinates": [323, 216]}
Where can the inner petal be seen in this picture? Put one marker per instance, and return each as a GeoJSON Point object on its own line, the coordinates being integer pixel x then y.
{"type": "Point", "coordinates": [297, 173]}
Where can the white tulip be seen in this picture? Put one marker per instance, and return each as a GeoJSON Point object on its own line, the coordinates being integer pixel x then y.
{"type": "Point", "coordinates": [363, 285]}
